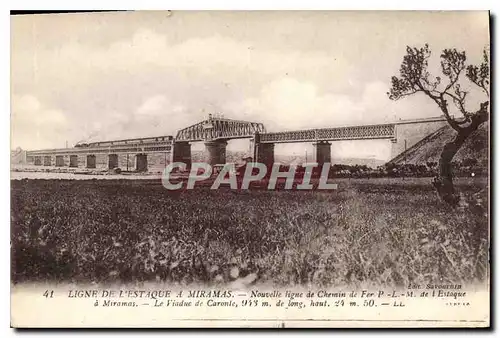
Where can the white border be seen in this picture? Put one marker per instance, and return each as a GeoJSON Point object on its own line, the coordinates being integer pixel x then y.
{"type": "Point", "coordinates": [186, 4]}
{"type": "Point", "coordinates": [257, 4]}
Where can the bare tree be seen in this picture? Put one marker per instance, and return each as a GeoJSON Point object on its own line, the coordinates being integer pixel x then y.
{"type": "Point", "coordinates": [415, 78]}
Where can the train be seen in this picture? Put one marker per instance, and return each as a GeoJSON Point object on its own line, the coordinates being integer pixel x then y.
{"type": "Point", "coordinates": [145, 140]}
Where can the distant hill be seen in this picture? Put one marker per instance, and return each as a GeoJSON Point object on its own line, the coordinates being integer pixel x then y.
{"type": "Point", "coordinates": [429, 149]}
{"type": "Point", "coordinates": [231, 156]}
{"type": "Point", "coordinates": [237, 156]}
{"type": "Point", "coordinates": [369, 162]}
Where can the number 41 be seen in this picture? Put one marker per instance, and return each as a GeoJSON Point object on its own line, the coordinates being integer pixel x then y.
{"type": "Point", "coordinates": [48, 294]}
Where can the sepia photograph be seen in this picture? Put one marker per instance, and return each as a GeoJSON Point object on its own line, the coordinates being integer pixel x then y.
{"type": "Point", "coordinates": [250, 169]}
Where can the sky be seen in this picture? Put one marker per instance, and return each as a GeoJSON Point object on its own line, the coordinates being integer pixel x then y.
{"type": "Point", "coordinates": [104, 76]}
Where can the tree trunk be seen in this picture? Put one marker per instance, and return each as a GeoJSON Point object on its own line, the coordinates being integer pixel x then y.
{"type": "Point", "coordinates": [444, 181]}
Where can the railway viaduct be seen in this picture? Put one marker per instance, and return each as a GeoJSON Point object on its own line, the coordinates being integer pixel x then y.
{"type": "Point", "coordinates": [216, 132]}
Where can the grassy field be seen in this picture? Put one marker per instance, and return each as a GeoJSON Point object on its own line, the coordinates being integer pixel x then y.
{"type": "Point", "coordinates": [386, 232]}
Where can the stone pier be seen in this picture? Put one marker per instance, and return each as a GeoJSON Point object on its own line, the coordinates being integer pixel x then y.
{"type": "Point", "coordinates": [73, 161]}
{"type": "Point", "coordinates": [91, 162]}
{"type": "Point", "coordinates": [141, 162]}
{"type": "Point", "coordinates": [182, 153]}
{"type": "Point", "coordinates": [264, 153]}
{"type": "Point", "coordinates": [323, 152]}
{"type": "Point", "coordinates": [112, 161]}
{"type": "Point", "coordinates": [216, 152]}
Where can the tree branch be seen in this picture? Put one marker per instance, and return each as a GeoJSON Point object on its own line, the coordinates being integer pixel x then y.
{"type": "Point", "coordinates": [451, 121]}
{"type": "Point", "coordinates": [480, 75]}
{"type": "Point", "coordinates": [479, 117]}
{"type": "Point", "coordinates": [414, 78]}
{"type": "Point", "coordinates": [453, 81]}
{"type": "Point", "coordinates": [459, 103]}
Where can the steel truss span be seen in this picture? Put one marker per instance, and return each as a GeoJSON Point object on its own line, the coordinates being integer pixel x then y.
{"type": "Point", "coordinates": [379, 131]}
{"type": "Point", "coordinates": [219, 129]}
